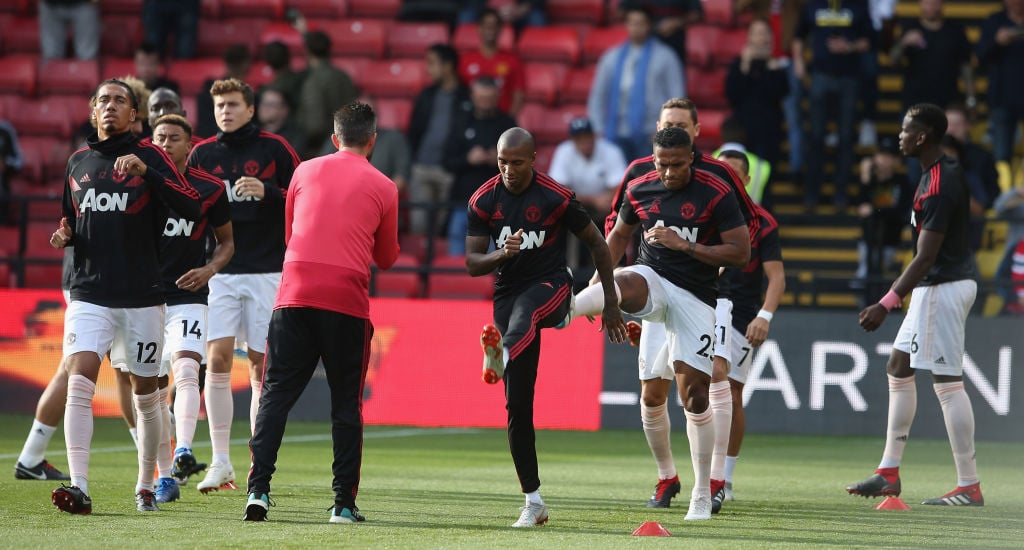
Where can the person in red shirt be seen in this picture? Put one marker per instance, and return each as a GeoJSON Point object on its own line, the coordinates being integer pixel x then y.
{"type": "Point", "coordinates": [341, 214]}
{"type": "Point", "coordinates": [503, 66]}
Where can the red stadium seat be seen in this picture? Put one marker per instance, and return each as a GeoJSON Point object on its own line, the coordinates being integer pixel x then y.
{"type": "Point", "coordinates": [577, 85]}
{"type": "Point", "coordinates": [320, 8]}
{"type": "Point", "coordinates": [127, 7]}
{"type": "Point", "coordinates": [561, 44]}
{"type": "Point", "coordinates": [394, 78]}
{"type": "Point", "coordinates": [549, 126]}
{"type": "Point", "coordinates": [363, 37]}
{"type": "Point", "coordinates": [19, 74]}
{"type": "Point", "coordinates": [544, 155]}
{"type": "Point", "coordinates": [191, 74]}
{"type": "Point", "coordinates": [467, 38]}
{"type": "Point", "coordinates": [382, 9]}
{"type": "Point", "coordinates": [711, 128]}
{"type": "Point", "coordinates": [580, 11]}
{"type": "Point", "coordinates": [253, 8]}
{"type": "Point", "coordinates": [42, 117]}
{"type": "Point", "coordinates": [20, 35]}
{"type": "Point", "coordinates": [209, 9]}
{"type": "Point", "coordinates": [393, 113]}
{"type": "Point", "coordinates": [116, 67]}
{"type": "Point", "coordinates": [33, 154]}
{"type": "Point", "coordinates": [282, 32]}
{"type": "Point", "coordinates": [460, 286]}
{"type": "Point", "coordinates": [399, 284]}
{"type": "Point", "coordinates": [599, 40]}
{"type": "Point", "coordinates": [45, 158]}
{"type": "Point", "coordinates": [216, 36]}
{"type": "Point", "coordinates": [729, 46]}
{"type": "Point", "coordinates": [354, 66]}
{"type": "Point", "coordinates": [413, 39]}
{"type": "Point", "coordinates": [719, 12]}
{"type": "Point", "coordinates": [706, 87]}
{"type": "Point", "coordinates": [701, 44]}
{"type": "Point", "coordinates": [63, 76]}
{"type": "Point", "coordinates": [543, 82]}
{"type": "Point", "coordinates": [18, 7]}
{"type": "Point", "coordinates": [416, 246]}
{"type": "Point", "coordinates": [121, 36]}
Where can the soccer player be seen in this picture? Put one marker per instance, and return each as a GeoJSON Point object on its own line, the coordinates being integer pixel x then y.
{"type": "Point", "coordinates": [165, 101]}
{"type": "Point", "coordinates": [750, 320]}
{"type": "Point", "coordinates": [115, 197]}
{"type": "Point", "coordinates": [692, 225]}
{"type": "Point", "coordinates": [527, 215]}
{"type": "Point", "coordinates": [186, 273]}
{"type": "Point", "coordinates": [341, 214]}
{"type": "Point", "coordinates": [256, 167]}
{"type": "Point", "coordinates": [940, 279]}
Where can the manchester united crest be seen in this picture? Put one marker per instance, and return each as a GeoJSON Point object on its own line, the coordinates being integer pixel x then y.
{"type": "Point", "coordinates": [251, 168]}
{"type": "Point", "coordinates": [533, 214]}
{"type": "Point", "coordinates": [688, 210]}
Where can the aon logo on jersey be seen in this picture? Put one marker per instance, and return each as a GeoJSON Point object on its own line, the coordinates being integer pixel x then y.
{"type": "Point", "coordinates": [531, 239]}
{"type": "Point", "coordinates": [233, 197]}
{"type": "Point", "coordinates": [178, 227]}
{"type": "Point", "coordinates": [685, 233]}
{"type": "Point", "coordinates": [104, 202]}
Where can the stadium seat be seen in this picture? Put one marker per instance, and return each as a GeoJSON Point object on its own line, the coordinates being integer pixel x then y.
{"type": "Point", "coordinates": [701, 45]}
{"type": "Point", "coordinates": [40, 117]}
{"type": "Point", "coordinates": [711, 128]}
{"type": "Point", "coordinates": [719, 12]}
{"type": "Point", "coordinates": [191, 74]}
{"type": "Point", "coordinates": [543, 82]}
{"type": "Point", "coordinates": [282, 32]}
{"type": "Point", "coordinates": [19, 74]}
{"type": "Point", "coordinates": [467, 38]}
{"type": "Point", "coordinates": [413, 39]}
{"type": "Point", "coordinates": [33, 154]}
{"type": "Point", "coordinates": [320, 8]}
{"type": "Point", "coordinates": [393, 113]}
{"type": "Point", "coordinates": [209, 9]}
{"type": "Point", "coordinates": [216, 36]}
{"type": "Point", "coordinates": [272, 9]}
{"type": "Point", "coordinates": [360, 37]}
{"type": "Point", "coordinates": [599, 40]}
{"type": "Point", "coordinates": [416, 246]}
{"type": "Point", "coordinates": [121, 36]}
{"type": "Point", "coordinates": [579, 11]}
{"type": "Point", "coordinates": [382, 9]}
{"type": "Point", "coordinates": [399, 284]}
{"type": "Point", "coordinates": [577, 85]}
{"type": "Point", "coordinates": [5, 270]}
{"type": "Point", "coordinates": [115, 67]}
{"type": "Point", "coordinates": [544, 155]}
{"type": "Point", "coordinates": [127, 7]}
{"type": "Point", "coordinates": [393, 78]}
{"type": "Point", "coordinates": [549, 126]}
{"type": "Point", "coordinates": [20, 35]}
{"type": "Point", "coordinates": [45, 158]}
{"type": "Point", "coordinates": [354, 66]}
{"type": "Point", "coordinates": [17, 7]}
{"type": "Point", "coordinates": [729, 46]}
{"type": "Point", "coordinates": [553, 43]}
{"type": "Point", "coordinates": [706, 87]}
{"type": "Point", "coordinates": [460, 286]}
{"type": "Point", "coordinates": [64, 76]}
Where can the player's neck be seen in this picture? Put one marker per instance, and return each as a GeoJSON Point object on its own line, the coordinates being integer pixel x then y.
{"type": "Point", "coordinates": [932, 24]}
{"type": "Point", "coordinates": [929, 155]}
{"type": "Point", "coordinates": [181, 166]}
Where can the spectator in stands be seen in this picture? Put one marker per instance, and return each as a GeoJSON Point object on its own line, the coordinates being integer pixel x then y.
{"type": "Point", "coordinates": [758, 170]}
{"type": "Point", "coordinates": [1015, 305]}
{"type": "Point", "coordinates": [437, 105]}
{"type": "Point", "coordinates": [1001, 50]}
{"type": "Point", "coordinates": [11, 162]}
{"type": "Point", "coordinates": [881, 13]}
{"type": "Point", "coordinates": [979, 169]}
{"type": "Point", "coordinates": [278, 57]}
{"type": "Point", "coordinates": [274, 114]}
{"type": "Point", "coordinates": [837, 32]}
{"type": "Point", "coordinates": [149, 68]}
{"type": "Point", "coordinates": [504, 67]}
{"type": "Point", "coordinates": [670, 19]}
{"type": "Point", "coordinates": [54, 18]}
{"type": "Point", "coordinates": [325, 89]}
{"type": "Point", "coordinates": [519, 14]}
{"type": "Point", "coordinates": [756, 86]}
{"type": "Point", "coordinates": [1010, 207]}
{"type": "Point", "coordinates": [390, 151]}
{"type": "Point", "coordinates": [162, 19]}
{"type": "Point", "coordinates": [632, 81]}
{"type": "Point", "coordinates": [470, 152]}
{"type": "Point", "coordinates": [589, 165]}
{"type": "Point", "coordinates": [236, 65]}
{"type": "Point", "coordinates": [884, 203]}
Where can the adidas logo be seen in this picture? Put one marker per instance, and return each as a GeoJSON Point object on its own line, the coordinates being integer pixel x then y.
{"type": "Point", "coordinates": [498, 216]}
{"type": "Point", "coordinates": [85, 179]}
{"type": "Point", "coordinates": [940, 361]}
{"type": "Point", "coordinates": [217, 170]}
{"type": "Point", "coordinates": [655, 209]}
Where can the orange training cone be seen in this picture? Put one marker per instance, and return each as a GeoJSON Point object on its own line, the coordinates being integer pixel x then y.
{"type": "Point", "coordinates": [892, 503]}
{"type": "Point", "coordinates": [651, 529]}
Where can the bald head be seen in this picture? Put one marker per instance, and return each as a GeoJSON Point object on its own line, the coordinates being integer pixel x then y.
{"type": "Point", "coordinates": [164, 101]}
{"type": "Point", "coordinates": [516, 137]}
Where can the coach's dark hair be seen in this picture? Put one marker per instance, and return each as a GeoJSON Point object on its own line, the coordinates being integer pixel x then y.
{"type": "Point", "coordinates": [740, 156]}
{"type": "Point", "coordinates": [118, 82]}
{"type": "Point", "coordinates": [672, 138]}
{"type": "Point", "coordinates": [355, 124]}
{"type": "Point", "coordinates": [446, 54]}
{"type": "Point", "coordinates": [932, 118]}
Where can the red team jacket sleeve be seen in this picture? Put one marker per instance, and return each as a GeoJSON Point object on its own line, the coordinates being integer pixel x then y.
{"type": "Point", "coordinates": [385, 240]}
{"type": "Point", "coordinates": [289, 210]}
{"type": "Point", "coordinates": [170, 186]}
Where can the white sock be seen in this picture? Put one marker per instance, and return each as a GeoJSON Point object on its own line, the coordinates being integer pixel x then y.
{"type": "Point", "coordinates": [902, 407]}
{"type": "Point", "coordinates": [186, 404]}
{"type": "Point", "coordinates": [658, 430]}
{"type": "Point", "coordinates": [78, 427]}
{"type": "Point", "coordinates": [590, 300]}
{"type": "Point", "coordinates": [38, 438]}
{"type": "Point", "coordinates": [164, 450]}
{"type": "Point", "coordinates": [534, 498]}
{"type": "Point", "coordinates": [720, 399]}
{"type": "Point", "coordinates": [220, 411]}
{"type": "Point", "coordinates": [148, 417]}
{"type": "Point", "coordinates": [254, 403]}
{"type": "Point", "coordinates": [730, 467]}
{"type": "Point", "coordinates": [701, 433]}
{"type": "Point", "coordinates": [959, 417]}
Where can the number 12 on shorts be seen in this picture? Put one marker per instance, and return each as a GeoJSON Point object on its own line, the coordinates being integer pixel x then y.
{"type": "Point", "coordinates": [147, 352]}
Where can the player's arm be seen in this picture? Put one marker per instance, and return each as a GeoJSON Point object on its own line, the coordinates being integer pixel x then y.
{"type": "Point", "coordinates": [197, 278]}
{"type": "Point", "coordinates": [166, 182]}
{"type": "Point", "coordinates": [611, 317]}
{"type": "Point", "coordinates": [480, 262]}
{"type": "Point", "coordinates": [385, 239]}
{"type": "Point", "coordinates": [757, 330]}
{"type": "Point", "coordinates": [928, 244]}
{"type": "Point", "coordinates": [64, 234]}
{"type": "Point", "coordinates": [619, 238]}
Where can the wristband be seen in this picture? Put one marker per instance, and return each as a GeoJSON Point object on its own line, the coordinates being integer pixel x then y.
{"type": "Point", "coordinates": [890, 300]}
{"type": "Point", "coordinates": [693, 246]}
{"type": "Point", "coordinates": [766, 315]}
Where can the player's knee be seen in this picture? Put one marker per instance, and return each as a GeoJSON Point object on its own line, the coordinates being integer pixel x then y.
{"type": "Point", "coordinates": [899, 364]}
{"type": "Point", "coordinates": [634, 291]}
{"type": "Point", "coordinates": [186, 370]}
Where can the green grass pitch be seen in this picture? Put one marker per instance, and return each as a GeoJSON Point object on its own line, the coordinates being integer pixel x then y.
{"type": "Point", "coordinates": [448, 488]}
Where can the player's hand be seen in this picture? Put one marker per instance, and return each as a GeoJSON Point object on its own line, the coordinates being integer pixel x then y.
{"type": "Point", "coordinates": [1005, 35]}
{"type": "Point", "coordinates": [62, 235]}
{"type": "Point", "coordinates": [513, 244]}
{"type": "Point", "coordinates": [663, 236]}
{"type": "Point", "coordinates": [872, 317]}
{"type": "Point", "coordinates": [246, 186]}
{"type": "Point", "coordinates": [131, 165]}
{"type": "Point", "coordinates": [613, 324]}
{"type": "Point", "coordinates": [195, 278]}
{"type": "Point", "coordinates": [757, 331]}
{"type": "Point", "coordinates": [914, 38]}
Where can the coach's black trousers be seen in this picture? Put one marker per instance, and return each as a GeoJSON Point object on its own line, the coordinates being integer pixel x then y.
{"type": "Point", "coordinates": [298, 338]}
{"type": "Point", "coordinates": [520, 317]}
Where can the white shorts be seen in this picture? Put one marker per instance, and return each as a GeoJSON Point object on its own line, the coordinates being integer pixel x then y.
{"type": "Point", "coordinates": [185, 330]}
{"type": "Point", "coordinates": [741, 355]}
{"type": "Point", "coordinates": [134, 336]}
{"type": "Point", "coordinates": [688, 322]}
{"type": "Point", "coordinates": [723, 329]}
{"type": "Point", "coordinates": [67, 296]}
{"type": "Point", "coordinates": [240, 307]}
{"type": "Point", "coordinates": [933, 331]}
